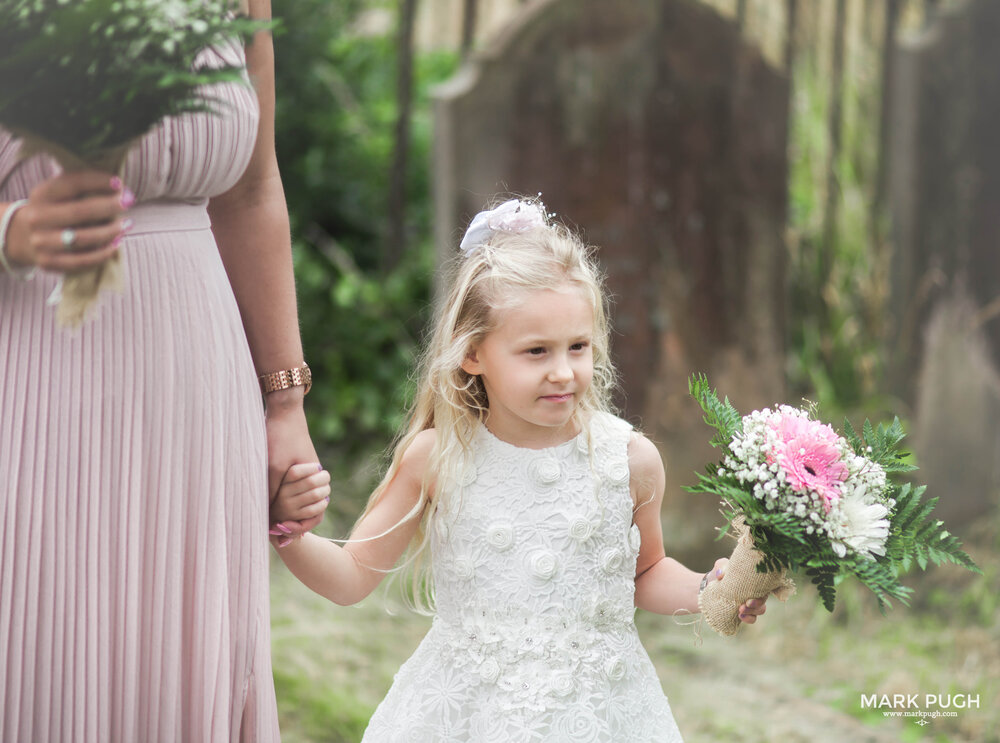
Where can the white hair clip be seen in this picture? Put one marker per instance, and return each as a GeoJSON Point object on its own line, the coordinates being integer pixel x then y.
{"type": "Point", "coordinates": [513, 217]}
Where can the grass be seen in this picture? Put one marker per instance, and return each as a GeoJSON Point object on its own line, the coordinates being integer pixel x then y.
{"type": "Point", "coordinates": [797, 676]}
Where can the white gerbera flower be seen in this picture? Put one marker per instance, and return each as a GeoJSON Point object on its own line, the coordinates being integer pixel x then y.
{"type": "Point", "coordinates": [861, 527]}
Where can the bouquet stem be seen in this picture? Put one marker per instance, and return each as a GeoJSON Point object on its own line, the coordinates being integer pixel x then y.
{"type": "Point", "coordinates": [721, 600]}
{"type": "Point", "coordinates": [78, 292]}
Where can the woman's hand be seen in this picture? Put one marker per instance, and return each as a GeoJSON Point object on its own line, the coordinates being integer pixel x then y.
{"type": "Point", "coordinates": [751, 609]}
{"type": "Point", "coordinates": [288, 443]}
{"type": "Point", "coordinates": [71, 222]}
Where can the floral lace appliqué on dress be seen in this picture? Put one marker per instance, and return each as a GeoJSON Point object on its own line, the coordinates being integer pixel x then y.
{"type": "Point", "coordinates": [534, 638]}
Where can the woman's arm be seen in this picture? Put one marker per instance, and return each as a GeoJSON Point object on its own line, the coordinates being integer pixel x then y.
{"type": "Point", "coordinates": [251, 226]}
{"type": "Point", "coordinates": [347, 574]}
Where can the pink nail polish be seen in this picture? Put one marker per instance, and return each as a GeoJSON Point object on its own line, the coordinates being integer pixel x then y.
{"type": "Point", "coordinates": [127, 224]}
{"type": "Point", "coordinates": [116, 183]}
{"type": "Point", "coordinates": [319, 467]}
{"type": "Point", "coordinates": [116, 243]}
{"type": "Point", "coordinates": [127, 199]}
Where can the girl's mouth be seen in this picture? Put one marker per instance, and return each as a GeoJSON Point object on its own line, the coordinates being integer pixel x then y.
{"type": "Point", "coordinates": [566, 397]}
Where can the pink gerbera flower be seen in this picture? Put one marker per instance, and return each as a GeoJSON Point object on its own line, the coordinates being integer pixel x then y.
{"type": "Point", "coordinates": [807, 451]}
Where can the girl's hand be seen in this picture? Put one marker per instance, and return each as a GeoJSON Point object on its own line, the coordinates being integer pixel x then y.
{"type": "Point", "coordinates": [752, 608]}
{"type": "Point", "coordinates": [303, 495]}
{"type": "Point", "coordinates": [71, 222]}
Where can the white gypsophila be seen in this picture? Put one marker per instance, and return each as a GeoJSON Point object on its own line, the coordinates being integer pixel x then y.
{"type": "Point", "coordinates": [854, 522]}
{"type": "Point", "coordinates": [748, 461]}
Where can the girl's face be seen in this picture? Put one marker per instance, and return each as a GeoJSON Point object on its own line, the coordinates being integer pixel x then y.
{"type": "Point", "coordinates": [536, 365]}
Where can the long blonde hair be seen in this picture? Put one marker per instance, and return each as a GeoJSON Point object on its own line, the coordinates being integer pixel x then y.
{"type": "Point", "coordinates": [484, 281]}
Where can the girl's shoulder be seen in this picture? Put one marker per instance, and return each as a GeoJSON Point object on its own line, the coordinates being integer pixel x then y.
{"type": "Point", "coordinates": [415, 459]}
{"type": "Point", "coordinates": [647, 476]}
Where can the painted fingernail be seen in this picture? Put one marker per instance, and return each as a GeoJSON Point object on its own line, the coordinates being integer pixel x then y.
{"type": "Point", "coordinates": [274, 532]}
{"type": "Point", "coordinates": [718, 573]}
{"type": "Point", "coordinates": [116, 183]}
{"type": "Point", "coordinates": [284, 529]}
{"type": "Point", "coordinates": [127, 199]}
{"type": "Point", "coordinates": [127, 224]}
{"type": "Point", "coordinates": [751, 604]}
{"type": "Point", "coordinates": [319, 467]}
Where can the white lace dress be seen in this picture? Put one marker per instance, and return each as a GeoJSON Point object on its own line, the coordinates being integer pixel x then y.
{"type": "Point", "coordinates": [534, 638]}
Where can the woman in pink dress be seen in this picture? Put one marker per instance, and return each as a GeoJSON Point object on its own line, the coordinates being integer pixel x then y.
{"type": "Point", "coordinates": [136, 457]}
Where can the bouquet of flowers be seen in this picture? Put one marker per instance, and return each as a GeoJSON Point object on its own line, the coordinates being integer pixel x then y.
{"type": "Point", "coordinates": [804, 498]}
{"type": "Point", "coordinates": [83, 80]}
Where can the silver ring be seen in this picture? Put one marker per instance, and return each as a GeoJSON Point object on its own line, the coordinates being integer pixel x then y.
{"type": "Point", "coordinates": [67, 237]}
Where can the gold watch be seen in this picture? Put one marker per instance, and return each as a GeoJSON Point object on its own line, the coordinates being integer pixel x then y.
{"type": "Point", "coordinates": [282, 380]}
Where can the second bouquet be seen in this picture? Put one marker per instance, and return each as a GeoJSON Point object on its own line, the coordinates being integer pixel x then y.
{"type": "Point", "coordinates": [83, 81]}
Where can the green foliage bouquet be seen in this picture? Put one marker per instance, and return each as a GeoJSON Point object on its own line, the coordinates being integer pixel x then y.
{"type": "Point", "coordinates": [83, 80]}
{"type": "Point", "coordinates": [805, 498]}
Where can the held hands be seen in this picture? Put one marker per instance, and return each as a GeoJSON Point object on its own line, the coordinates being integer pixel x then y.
{"type": "Point", "coordinates": [71, 222]}
{"type": "Point", "coordinates": [303, 495]}
{"type": "Point", "coordinates": [288, 444]}
{"type": "Point", "coordinates": [751, 609]}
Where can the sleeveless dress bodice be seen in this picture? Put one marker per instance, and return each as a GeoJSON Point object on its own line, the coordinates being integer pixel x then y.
{"type": "Point", "coordinates": [534, 555]}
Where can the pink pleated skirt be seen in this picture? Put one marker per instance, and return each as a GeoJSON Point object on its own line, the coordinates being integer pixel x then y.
{"type": "Point", "coordinates": [133, 505]}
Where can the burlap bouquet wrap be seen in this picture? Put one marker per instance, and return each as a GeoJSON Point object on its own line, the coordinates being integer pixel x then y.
{"type": "Point", "coordinates": [720, 601]}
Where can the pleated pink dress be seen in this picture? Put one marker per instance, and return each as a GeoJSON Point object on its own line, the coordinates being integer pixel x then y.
{"type": "Point", "coordinates": [133, 495]}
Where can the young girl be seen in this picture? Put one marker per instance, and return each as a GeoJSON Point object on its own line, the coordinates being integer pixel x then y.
{"type": "Point", "coordinates": [536, 510]}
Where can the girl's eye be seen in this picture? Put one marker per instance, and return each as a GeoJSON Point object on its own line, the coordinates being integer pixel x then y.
{"type": "Point", "coordinates": [579, 346]}
{"type": "Point", "coordinates": [537, 351]}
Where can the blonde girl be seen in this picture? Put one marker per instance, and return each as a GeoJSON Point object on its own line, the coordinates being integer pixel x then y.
{"type": "Point", "coordinates": [530, 511]}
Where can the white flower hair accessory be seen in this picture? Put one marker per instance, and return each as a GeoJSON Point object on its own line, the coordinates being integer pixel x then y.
{"type": "Point", "coordinates": [512, 217]}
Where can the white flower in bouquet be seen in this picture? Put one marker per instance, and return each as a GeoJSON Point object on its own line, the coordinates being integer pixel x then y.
{"type": "Point", "coordinates": [859, 527]}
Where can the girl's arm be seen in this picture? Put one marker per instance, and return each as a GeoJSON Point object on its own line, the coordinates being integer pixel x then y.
{"type": "Point", "coordinates": [663, 585]}
{"type": "Point", "coordinates": [251, 226]}
{"type": "Point", "coordinates": [347, 574]}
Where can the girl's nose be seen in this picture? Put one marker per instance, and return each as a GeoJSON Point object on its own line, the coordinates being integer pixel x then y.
{"type": "Point", "coordinates": [561, 371]}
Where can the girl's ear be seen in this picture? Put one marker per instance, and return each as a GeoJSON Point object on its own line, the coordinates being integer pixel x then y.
{"type": "Point", "coordinates": [471, 365]}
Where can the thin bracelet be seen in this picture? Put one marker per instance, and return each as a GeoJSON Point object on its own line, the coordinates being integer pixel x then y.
{"type": "Point", "coordinates": [8, 216]}
{"type": "Point", "coordinates": [704, 582]}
